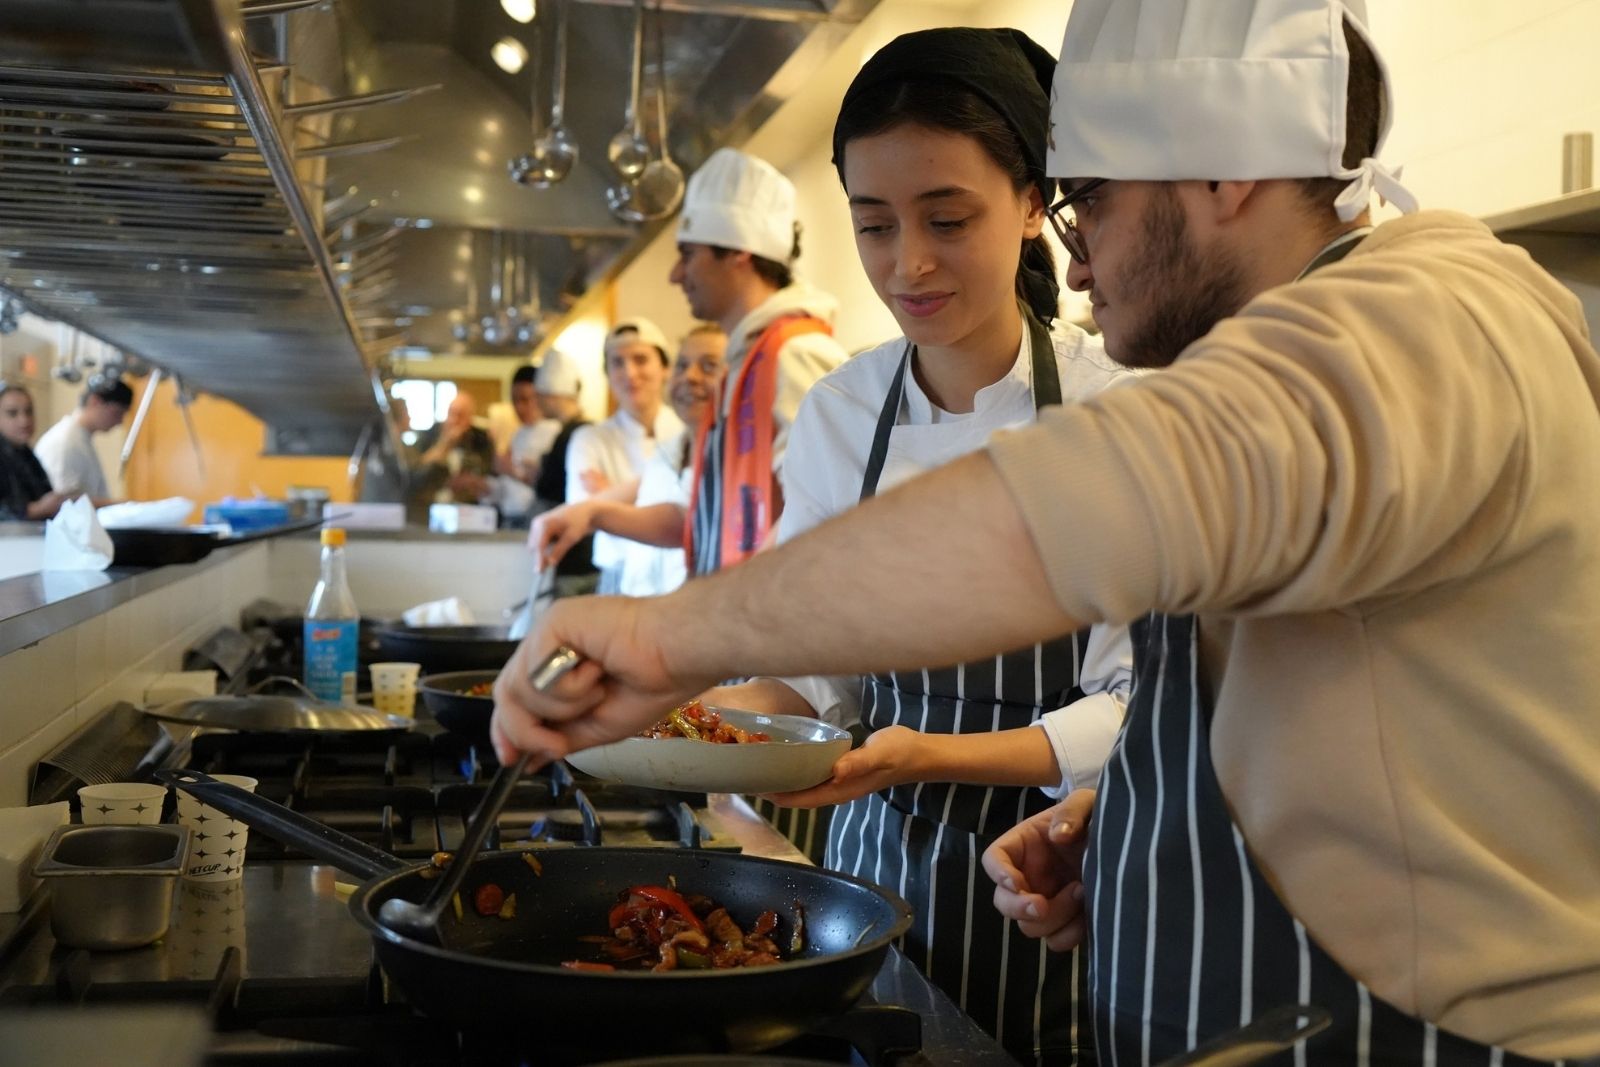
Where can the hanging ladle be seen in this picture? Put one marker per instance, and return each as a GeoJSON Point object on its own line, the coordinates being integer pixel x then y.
{"type": "Point", "coordinates": [628, 151]}
{"type": "Point", "coordinates": [421, 921]}
{"type": "Point", "coordinates": [659, 190]}
{"type": "Point", "coordinates": [554, 153]}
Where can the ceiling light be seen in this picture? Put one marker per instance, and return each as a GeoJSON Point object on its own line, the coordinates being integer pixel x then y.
{"type": "Point", "coordinates": [521, 10]}
{"type": "Point", "coordinates": [509, 54]}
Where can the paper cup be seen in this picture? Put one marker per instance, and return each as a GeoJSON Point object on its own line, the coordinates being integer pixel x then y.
{"type": "Point", "coordinates": [394, 688]}
{"type": "Point", "coordinates": [122, 803]}
{"type": "Point", "coordinates": [217, 840]}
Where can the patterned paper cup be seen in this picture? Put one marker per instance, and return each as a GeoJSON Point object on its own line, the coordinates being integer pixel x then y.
{"type": "Point", "coordinates": [394, 688]}
{"type": "Point", "coordinates": [216, 844]}
{"type": "Point", "coordinates": [122, 803]}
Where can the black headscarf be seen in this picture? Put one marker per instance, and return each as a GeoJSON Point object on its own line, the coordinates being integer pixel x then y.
{"type": "Point", "coordinates": [1005, 68]}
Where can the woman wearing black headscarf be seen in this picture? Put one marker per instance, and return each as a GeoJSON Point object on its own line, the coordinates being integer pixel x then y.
{"type": "Point", "coordinates": [940, 146]}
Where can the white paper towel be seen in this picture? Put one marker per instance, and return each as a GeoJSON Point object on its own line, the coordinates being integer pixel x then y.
{"type": "Point", "coordinates": [22, 834]}
{"type": "Point", "coordinates": [75, 541]}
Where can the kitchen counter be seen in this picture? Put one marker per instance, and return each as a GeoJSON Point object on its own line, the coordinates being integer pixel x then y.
{"type": "Point", "coordinates": [39, 605]}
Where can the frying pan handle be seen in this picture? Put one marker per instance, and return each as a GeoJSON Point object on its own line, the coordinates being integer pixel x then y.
{"type": "Point", "coordinates": [286, 825]}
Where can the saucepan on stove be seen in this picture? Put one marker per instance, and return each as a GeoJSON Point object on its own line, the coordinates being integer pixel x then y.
{"type": "Point", "coordinates": [503, 972]}
{"type": "Point", "coordinates": [448, 648]}
{"type": "Point", "coordinates": [462, 701]}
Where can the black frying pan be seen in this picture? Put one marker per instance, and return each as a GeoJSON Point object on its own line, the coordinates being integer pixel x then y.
{"type": "Point", "coordinates": [447, 701]}
{"type": "Point", "coordinates": [504, 977]}
{"type": "Point", "coordinates": [447, 648]}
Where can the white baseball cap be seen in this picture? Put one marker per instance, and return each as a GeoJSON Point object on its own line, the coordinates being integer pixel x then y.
{"type": "Point", "coordinates": [1220, 90]}
{"type": "Point", "coordinates": [647, 331]}
{"type": "Point", "coordinates": [557, 375]}
{"type": "Point", "coordinates": [740, 202]}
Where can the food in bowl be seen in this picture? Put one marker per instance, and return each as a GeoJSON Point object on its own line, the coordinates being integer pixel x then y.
{"type": "Point", "coordinates": [481, 689]}
{"type": "Point", "coordinates": [656, 928]}
{"type": "Point", "coordinates": [699, 723]}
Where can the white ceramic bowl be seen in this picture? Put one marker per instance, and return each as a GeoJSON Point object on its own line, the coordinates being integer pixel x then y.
{"type": "Point", "coordinates": [801, 754]}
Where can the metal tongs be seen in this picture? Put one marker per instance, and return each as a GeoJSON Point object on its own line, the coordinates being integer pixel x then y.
{"type": "Point", "coordinates": [421, 921]}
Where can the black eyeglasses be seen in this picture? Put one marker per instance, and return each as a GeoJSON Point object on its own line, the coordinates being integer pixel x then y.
{"type": "Point", "coordinates": [1066, 228]}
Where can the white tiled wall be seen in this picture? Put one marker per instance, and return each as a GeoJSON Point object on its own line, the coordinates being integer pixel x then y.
{"type": "Point", "coordinates": [386, 576]}
{"type": "Point", "coordinates": [50, 689]}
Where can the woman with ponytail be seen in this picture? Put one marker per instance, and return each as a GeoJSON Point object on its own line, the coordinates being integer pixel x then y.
{"type": "Point", "coordinates": [940, 147]}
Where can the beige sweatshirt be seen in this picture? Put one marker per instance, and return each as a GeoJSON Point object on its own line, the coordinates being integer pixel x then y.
{"type": "Point", "coordinates": [1380, 489]}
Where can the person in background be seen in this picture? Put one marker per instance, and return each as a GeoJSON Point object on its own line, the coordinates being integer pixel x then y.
{"type": "Point", "coordinates": [738, 238]}
{"type": "Point", "coordinates": [648, 511]}
{"type": "Point", "coordinates": [67, 449]}
{"type": "Point", "coordinates": [454, 460]}
{"type": "Point", "coordinates": [538, 430]}
{"type": "Point", "coordinates": [25, 492]}
{"type": "Point", "coordinates": [614, 452]}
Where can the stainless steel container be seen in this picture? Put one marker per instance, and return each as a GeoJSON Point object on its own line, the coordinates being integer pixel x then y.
{"type": "Point", "coordinates": [111, 886]}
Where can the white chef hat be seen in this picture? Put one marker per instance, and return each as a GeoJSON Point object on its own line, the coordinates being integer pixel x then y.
{"type": "Point", "coordinates": [647, 331]}
{"type": "Point", "coordinates": [740, 202]}
{"type": "Point", "coordinates": [557, 375]}
{"type": "Point", "coordinates": [1169, 90]}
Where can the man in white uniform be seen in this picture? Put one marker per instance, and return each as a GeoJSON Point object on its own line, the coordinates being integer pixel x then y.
{"type": "Point", "coordinates": [614, 452]}
{"type": "Point", "coordinates": [67, 450]}
{"type": "Point", "coordinates": [738, 238]}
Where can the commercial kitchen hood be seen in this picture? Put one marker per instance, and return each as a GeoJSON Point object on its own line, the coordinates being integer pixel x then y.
{"type": "Point", "coordinates": [168, 206]}
{"type": "Point", "coordinates": [197, 183]}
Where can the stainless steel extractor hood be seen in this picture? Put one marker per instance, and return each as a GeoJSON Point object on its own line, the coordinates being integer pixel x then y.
{"type": "Point", "coordinates": [171, 212]}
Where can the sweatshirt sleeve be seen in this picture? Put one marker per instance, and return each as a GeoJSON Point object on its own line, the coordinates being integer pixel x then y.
{"type": "Point", "coordinates": [1345, 438]}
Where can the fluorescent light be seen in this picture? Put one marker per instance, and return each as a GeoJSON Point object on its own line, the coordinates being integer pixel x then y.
{"type": "Point", "coordinates": [521, 10]}
{"type": "Point", "coordinates": [509, 54]}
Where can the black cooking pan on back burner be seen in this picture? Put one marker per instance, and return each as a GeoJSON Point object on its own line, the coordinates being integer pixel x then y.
{"type": "Point", "coordinates": [447, 648]}
{"type": "Point", "coordinates": [504, 977]}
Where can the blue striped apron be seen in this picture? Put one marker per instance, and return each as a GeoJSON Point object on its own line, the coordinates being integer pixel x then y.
{"type": "Point", "coordinates": [1187, 938]}
{"type": "Point", "coordinates": [925, 840]}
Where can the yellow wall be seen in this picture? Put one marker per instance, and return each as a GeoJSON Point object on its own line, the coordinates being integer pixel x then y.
{"type": "Point", "coordinates": [163, 462]}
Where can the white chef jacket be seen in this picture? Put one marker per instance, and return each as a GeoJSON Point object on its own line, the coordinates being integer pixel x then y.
{"type": "Point", "coordinates": [646, 569]}
{"type": "Point", "coordinates": [822, 474]}
{"type": "Point", "coordinates": [617, 448]}
{"type": "Point", "coordinates": [67, 455]}
{"type": "Point", "coordinates": [529, 445]}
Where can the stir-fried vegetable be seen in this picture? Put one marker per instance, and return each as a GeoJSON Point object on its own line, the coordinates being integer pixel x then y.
{"type": "Point", "coordinates": [699, 723]}
{"type": "Point", "coordinates": [659, 929]}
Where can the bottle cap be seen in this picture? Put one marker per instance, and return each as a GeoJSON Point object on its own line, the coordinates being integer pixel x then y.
{"type": "Point", "coordinates": [333, 536]}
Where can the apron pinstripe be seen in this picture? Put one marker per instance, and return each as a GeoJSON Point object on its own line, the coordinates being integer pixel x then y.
{"type": "Point", "coordinates": [1187, 938]}
{"type": "Point", "coordinates": [708, 505]}
{"type": "Point", "coordinates": [924, 841]}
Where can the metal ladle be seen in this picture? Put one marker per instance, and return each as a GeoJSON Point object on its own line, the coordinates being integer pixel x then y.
{"type": "Point", "coordinates": [554, 153]}
{"type": "Point", "coordinates": [421, 921]}
{"type": "Point", "coordinates": [659, 189]}
{"type": "Point", "coordinates": [629, 151]}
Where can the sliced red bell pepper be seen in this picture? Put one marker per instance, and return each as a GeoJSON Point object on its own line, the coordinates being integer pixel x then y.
{"type": "Point", "coordinates": [669, 899]}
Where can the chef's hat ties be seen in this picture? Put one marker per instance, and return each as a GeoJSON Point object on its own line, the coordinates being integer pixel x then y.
{"type": "Point", "coordinates": [1371, 177]}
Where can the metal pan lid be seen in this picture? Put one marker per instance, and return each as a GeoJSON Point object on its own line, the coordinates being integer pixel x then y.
{"type": "Point", "coordinates": [262, 713]}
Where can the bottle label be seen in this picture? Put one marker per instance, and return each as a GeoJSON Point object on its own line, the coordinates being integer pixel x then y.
{"type": "Point", "coordinates": [330, 647]}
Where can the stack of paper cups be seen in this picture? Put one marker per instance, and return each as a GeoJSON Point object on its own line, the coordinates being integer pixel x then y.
{"type": "Point", "coordinates": [216, 840]}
